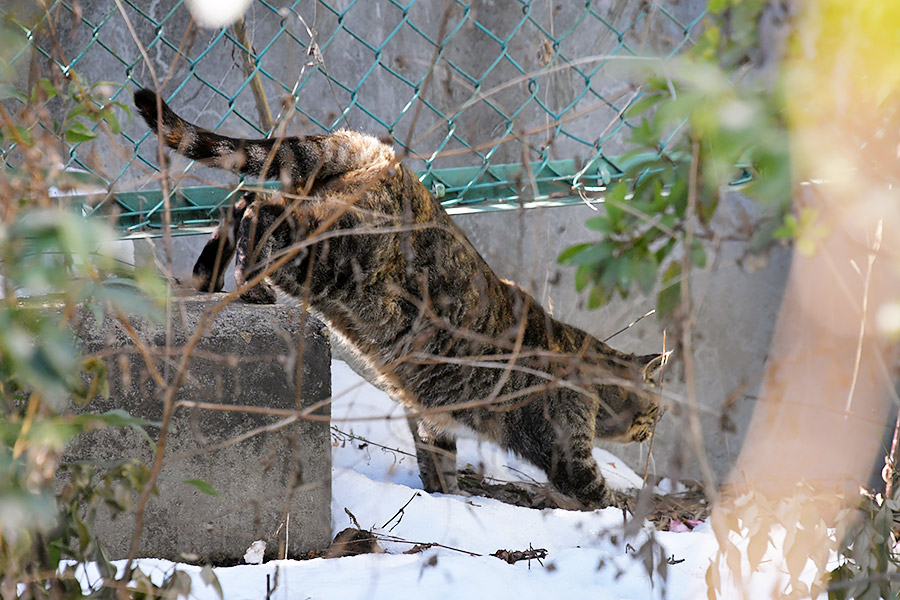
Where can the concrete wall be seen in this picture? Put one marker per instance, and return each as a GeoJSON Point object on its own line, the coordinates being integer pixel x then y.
{"type": "Point", "coordinates": [258, 465]}
{"type": "Point", "coordinates": [735, 308]}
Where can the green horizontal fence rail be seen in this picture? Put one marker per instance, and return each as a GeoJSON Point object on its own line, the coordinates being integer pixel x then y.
{"type": "Point", "coordinates": [496, 106]}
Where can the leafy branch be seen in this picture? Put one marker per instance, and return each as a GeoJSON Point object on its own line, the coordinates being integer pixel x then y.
{"type": "Point", "coordinates": [742, 145]}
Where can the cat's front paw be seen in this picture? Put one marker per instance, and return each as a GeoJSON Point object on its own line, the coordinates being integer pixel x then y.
{"type": "Point", "coordinates": [592, 494]}
{"type": "Point", "coordinates": [596, 495]}
{"type": "Point", "coordinates": [203, 277]}
{"type": "Point", "coordinates": [203, 282]}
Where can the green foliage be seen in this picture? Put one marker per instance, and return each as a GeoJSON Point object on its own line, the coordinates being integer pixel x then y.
{"type": "Point", "coordinates": [203, 486]}
{"type": "Point", "coordinates": [53, 254]}
{"type": "Point", "coordinates": [803, 229]}
{"type": "Point", "coordinates": [870, 563]}
{"type": "Point", "coordinates": [82, 106]}
{"type": "Point", "coordinates": [56, 108]}
{"type": "Point", "coordinates": [731, 35]}
{"type": "Point", "coordinates": [698, 131]}
{"type": "Point", "coordinates": [12, 43]}
{"type": "Point", "coordinates": [53, 273]}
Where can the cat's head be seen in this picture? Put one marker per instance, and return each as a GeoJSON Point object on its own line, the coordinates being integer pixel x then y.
{"type": "Point", "coordinates": [630, 414]}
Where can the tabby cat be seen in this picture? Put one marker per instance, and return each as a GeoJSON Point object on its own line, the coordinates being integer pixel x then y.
{"type": "Point", "coordinates": [356, 236]}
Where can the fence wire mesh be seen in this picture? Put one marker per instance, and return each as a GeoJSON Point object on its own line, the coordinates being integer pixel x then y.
{"type": "Point", "coordinates": [495, 104]}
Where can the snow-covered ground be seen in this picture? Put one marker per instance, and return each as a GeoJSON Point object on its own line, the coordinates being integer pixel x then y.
{"type": "Point", "coordinates": [588, 557]}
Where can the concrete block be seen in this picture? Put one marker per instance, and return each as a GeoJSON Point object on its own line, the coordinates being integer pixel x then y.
{"type": "Point", "coordinates": [262, 466]}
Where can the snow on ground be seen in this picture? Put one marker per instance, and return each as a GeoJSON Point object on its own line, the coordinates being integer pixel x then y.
{"type": "Point", "coordinates": [587, 555]}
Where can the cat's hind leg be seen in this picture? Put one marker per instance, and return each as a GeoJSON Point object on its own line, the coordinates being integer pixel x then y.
{"type": "Point", "coordinates": [436, 455]}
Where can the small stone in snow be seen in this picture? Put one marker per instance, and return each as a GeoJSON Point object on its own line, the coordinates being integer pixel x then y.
{"type": "Point", "coordinates": [254, 554]}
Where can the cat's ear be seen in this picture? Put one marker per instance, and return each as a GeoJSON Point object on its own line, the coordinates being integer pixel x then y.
{"type": "Point", "coordinates": [653, 364]}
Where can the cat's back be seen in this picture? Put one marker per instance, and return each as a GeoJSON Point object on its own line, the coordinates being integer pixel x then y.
{"type": "Point", "coordinates": [349, 159]}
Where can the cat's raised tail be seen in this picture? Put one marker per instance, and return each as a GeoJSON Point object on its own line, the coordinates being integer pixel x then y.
{"type": "Point", "coordinates": [293, 160]}
{"type": "Point", "coordinates": [247, 157]}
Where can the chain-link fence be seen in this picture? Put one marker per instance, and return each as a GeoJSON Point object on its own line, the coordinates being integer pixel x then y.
{"type": "Point", "coordinates": [495, 104]}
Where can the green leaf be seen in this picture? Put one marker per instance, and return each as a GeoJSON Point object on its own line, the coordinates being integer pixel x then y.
{"type": "Point", "coordinates": [598, 297]}
{"type": "Point", "coordinates": [600, 223]}
{"type": "Point", "coordinates": [594, 255]}
{"type": "Point", "coordinates": [841, 575]}
{"type": "Point", "coordinates": [677, 196]}
{"type": "Point", "coordinates": [120, 418]}
{"type": "Point", "coordinates": [624, 267]}
{"type": "Point", "coordinates": [124, 107]}
{"type": "Point", "coordinates": [664, 252]}
{"type": "Point", "coordinates": [48, 88]}
{"type": "Point", "coordinates": [112, 121]}
{"type": "Point", "coordinates": [113, 418]}
{"type": "Point", "coordinates": [706, 208]}
{"type": "Point", "coordinates": [8, 92]}
{"type": "Point", "coordinates": [670, 295]}
{"type": "Point", "coordinates": [55, 551]}
{"type": "Point", "coordinates": [698, 254]}
{"type": "Point", "coordinates": [78, 132]}
{"type": "Point", "coordinates": [583, 276]}
{"type": "Point", "coordinates": [611, 273]}
{"type": "Point", "coordinates": [122, 295]}
{"type": "Point", "coordinates": [643, 104]}
{"type": "Point", "coordinates": [616, 197]}
{"type": "Point", "coordinates": [99, 384]}
{"type": "Point", "coordinates": [567, 254]}
{"type": "Point", "coordinates": [202, 486]}
{"type": "Point", "coordinates": [788, 228]}
{"type": "Point", "coordinates": [644, 135]}
{"type": "Point", "coordinates": [644, 272]}
{"type": "Point", "coordinates": [642, 207]}
{"type": "Point", "coordinates": [25, 134]}
{"type": "Point", "coordinates": [717, 6]}
{"type": "Point", "coordinates": [605, 175]}
{"type": "Point", "coordinates": [77, 110]}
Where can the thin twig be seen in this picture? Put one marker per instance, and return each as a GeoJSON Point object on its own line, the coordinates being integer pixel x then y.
{"type": "Point", "coordinates": [230, 441]}
{"type": "Point", "coordinates": [353, 436]}
{"type": "Point", "coordinates": [250, 70]}
{"type": "Point", "coordinates": [632, 324]}
{"type": "Point", "coordinates": [422, 545]}
{"type": "Point", "coordinates": [426, 83]}
{"type": "Point", "coordinates": [656, 420]}
{"type": "Point", "coordinates": [479, 95]}
{"type": "Point", "coordinates": [891, 462]}
{"type": "Point", "coordinates": [352, 518]}
{"type": "Point", "coordinates": [168, 400]}
{"type": "Point", "coordinates": [686, 315]}
{"type": "Point", "coordinates": [318, 60]}
{"type": "Point", "coordinates": [876, 246]}
{"type": "Point", "coordinates": [400, 512]}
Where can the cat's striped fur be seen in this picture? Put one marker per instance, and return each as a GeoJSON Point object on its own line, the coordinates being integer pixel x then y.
{"type": "Point", "coordinates": [357, 236]}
